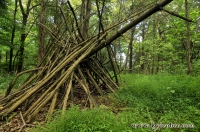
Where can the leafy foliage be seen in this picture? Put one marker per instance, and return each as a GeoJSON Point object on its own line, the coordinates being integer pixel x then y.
{"type": "Point", "coordinates": [3, 4]}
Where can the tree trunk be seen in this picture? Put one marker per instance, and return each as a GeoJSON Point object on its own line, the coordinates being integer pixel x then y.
{"type": "Point", "coordinates": [142, 52]}
{"type": "Point", "coordinates": [131, 50]}
{"type": "Point", "coordinates": [42, 36]}
{"type": "Point", "coordinates": [159, 47]}
{"type": "Point", "coordinates": [85, 14]}
{"type": "Point", "coordinates": [25, 15]}
{"type": "Point", "coordinates": [10, 69]}
{"type": "Point", "coordinates": [188, 50]}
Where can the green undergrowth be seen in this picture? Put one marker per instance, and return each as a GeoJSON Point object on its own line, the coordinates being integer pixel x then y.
{"type": "Point", "coordinates": [167, 98]}
{"type": "Point", "coordinates": [150, 100]}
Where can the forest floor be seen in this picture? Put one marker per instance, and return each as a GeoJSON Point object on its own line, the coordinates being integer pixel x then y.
{"type": "Point", "coordinates": [16, 123]}
{"type": "Point", "coordinates": [143, 103]}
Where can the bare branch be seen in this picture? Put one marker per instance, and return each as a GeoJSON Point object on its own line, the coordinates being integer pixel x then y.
{"type": "Point", "coordinates": [176, 15]}
{"type": "Point", "coordinates": [21, 7]}
{"type": "Point", "coordinates": [71, 8]}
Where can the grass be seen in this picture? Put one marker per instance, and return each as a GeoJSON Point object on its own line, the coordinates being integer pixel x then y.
{"type": "Point", "coordinates": [167, 98]}
{"type": "Point", "coordinates": [142, 99]}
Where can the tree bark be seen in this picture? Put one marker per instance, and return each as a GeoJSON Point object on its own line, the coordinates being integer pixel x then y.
{"type": "Point", "coordinates": [42, 21]}
{"type": "Point", "coordinates": [188, 50]}
{"type": "Point", "coordinates": [85, 15]}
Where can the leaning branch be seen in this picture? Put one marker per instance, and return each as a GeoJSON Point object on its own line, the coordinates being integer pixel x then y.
{"type": "Point", "coordinates": [176, 15]}
{"type": "Point", "coordinates": [15, 79]}
{"type": "Point", "coordinates": [76, 21]}
{"type": "Point", "coordinates": [143, 16]}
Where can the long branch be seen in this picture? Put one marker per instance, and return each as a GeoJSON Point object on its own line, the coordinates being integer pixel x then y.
{"type": "Point", "coordinates": [177, 15]}
{"type": "Point", "coordinates": [120, 32]}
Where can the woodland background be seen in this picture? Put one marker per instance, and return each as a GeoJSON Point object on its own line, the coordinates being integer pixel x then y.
{"type": "Point", "coordinates": [161, 43]}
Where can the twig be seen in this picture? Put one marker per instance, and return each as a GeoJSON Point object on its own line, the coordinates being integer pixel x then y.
{"type": "Point", "coordinates": [24, 123]}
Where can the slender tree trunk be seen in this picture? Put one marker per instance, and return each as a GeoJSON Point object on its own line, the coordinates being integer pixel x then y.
{"type": "Point", "coordinates": [85, 15]}
{"type": "Point", "coordinates": [10, 69]}
{"type": "Point", "coordinates": [86, 23]}
{"type": "Point", "coordinates": [82, 14]}
{"type": "Point", "coordinates": [129, 54]}
{"type": "Point", "coordinates": [154, 36]}
{"type": "Point", "coordinates": [158, 55]}
{"type": "Point", "coordinates": [188, 49]}
{"type": "Point", "coordinates": [142, 54]}
{"type": "Point", "coordinates": [131, 50]}
{"type": "Point", "coordinates": [126, 61]}
{"type": "Point", "coordinates": [25, 15]}
{"type": "Point", "coordinates": [109, 49]}
{"type": "Point", "coordinates": [21, 54]}
{"type": "Point", "coordinates": [42, 21]}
